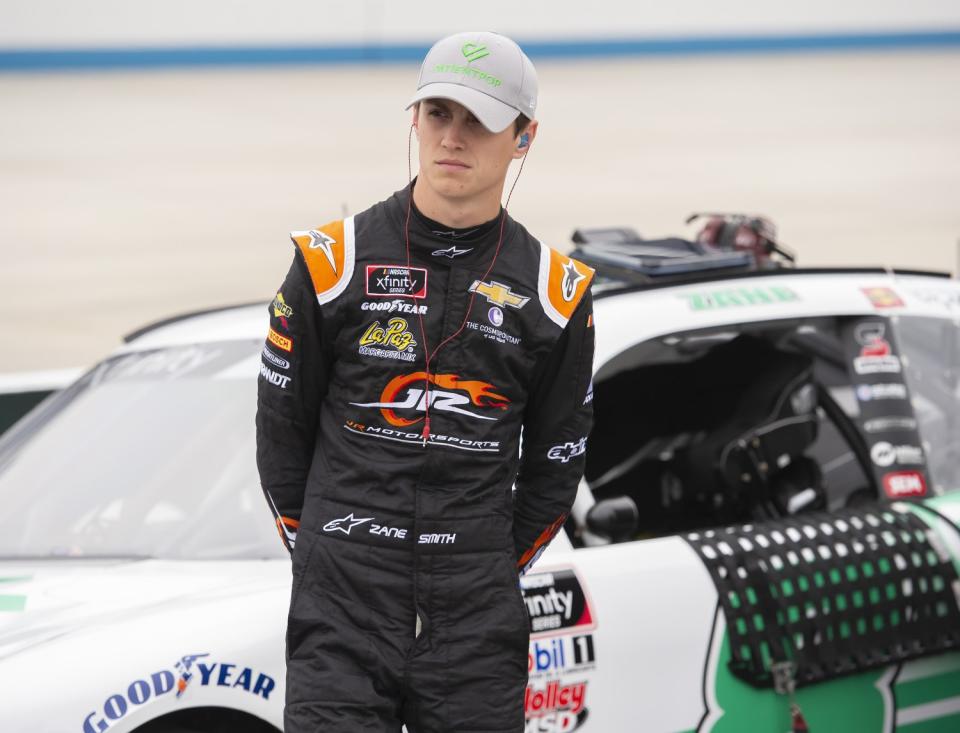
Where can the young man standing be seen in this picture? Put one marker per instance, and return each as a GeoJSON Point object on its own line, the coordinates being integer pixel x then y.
{"type": "Point", "coordinates": [407, 347]}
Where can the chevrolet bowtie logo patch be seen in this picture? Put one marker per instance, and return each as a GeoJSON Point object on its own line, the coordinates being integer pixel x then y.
{"type": "Point", "coordinates": [473, 51]}
{"type": "Point", "coordinates": [498, 294]}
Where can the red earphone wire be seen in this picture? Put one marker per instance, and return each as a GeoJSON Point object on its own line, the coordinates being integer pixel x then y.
{"type": "Point", "coordinates": [428, 355]}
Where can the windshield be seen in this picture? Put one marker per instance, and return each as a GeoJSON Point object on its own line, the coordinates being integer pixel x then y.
{"type": "Point", "coordinates": [149, 454]}
{"type": "Point", "coordinates": [931, 359]}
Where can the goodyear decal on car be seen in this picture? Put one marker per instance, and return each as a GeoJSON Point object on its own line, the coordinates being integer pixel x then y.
{"type": "Point", "coordinates": [191, 670]}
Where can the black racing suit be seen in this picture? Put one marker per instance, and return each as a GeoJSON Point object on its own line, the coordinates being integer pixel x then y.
{"type": "Point", "coordinates": [405, 605]}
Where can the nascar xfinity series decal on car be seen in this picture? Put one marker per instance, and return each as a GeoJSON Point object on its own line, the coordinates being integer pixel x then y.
{"type": "Point", "coordinates": [556, 601]}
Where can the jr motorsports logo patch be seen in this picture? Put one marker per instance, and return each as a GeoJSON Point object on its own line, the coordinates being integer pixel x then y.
{"type": "Point", "coordinates": [391, 280]}
{"type": "Point", "coordinates": [469, 397]}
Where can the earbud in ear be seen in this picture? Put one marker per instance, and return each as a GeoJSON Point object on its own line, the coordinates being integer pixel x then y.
{"type": "Point", "coordinates": [524, 140]}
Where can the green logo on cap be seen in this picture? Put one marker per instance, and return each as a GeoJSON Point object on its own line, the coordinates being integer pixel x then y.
{"type": "Point", "coordinates": [473, 52]}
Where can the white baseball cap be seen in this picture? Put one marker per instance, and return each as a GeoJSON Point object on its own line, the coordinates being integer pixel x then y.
{"type": "Point", "coordinates": [485, 72]}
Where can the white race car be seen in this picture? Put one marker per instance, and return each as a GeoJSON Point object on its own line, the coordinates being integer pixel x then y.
{"type": "Point", "coordinates": [766, 538]}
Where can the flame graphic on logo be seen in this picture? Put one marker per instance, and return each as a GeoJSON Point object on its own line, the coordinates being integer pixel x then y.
{"type": "Point", "coordinates": [480, 393]}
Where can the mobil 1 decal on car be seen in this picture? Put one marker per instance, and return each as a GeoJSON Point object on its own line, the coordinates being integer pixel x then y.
{"type": "Point", "coordinates": [886, 419]}
{"type": "Point", "coordinates": [562, 652]}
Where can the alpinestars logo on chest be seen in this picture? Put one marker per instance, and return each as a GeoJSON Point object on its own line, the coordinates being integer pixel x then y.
{"type": "Point", "coordinates": [450, 252]}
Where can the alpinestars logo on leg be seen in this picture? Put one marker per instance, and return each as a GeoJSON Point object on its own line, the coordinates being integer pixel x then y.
{"type": "Point", "coordinates": [345, 524]}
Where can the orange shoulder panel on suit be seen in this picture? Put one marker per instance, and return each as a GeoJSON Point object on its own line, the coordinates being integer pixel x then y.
{"type": "Point", "coordinates": [324, 251]}
{"type": "Point", "coordinates": [567, 280]}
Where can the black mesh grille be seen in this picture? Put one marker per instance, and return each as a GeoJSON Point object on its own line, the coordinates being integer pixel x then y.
{"type": "Point", "coordinates": [834, 593]}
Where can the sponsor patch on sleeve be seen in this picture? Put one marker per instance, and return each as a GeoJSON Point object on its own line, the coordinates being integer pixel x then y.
{"type": "Point", "coordinates": [281, 310]}
{"type": "Point", "coordinates": [279, 340]}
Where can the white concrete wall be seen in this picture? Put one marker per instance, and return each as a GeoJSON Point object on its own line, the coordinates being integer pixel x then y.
{"type": "Point", "coordinates": [28, 24]}
{"type": "Point", "coordinates": [131, 196]}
